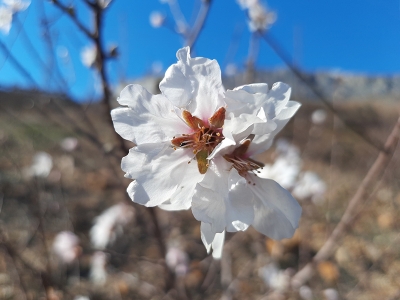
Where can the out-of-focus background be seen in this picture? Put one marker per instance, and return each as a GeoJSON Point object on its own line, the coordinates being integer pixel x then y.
{"type": "Point", "coordinates": [68, 229]}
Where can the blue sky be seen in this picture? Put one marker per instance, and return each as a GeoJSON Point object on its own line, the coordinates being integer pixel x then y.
{"type": "Point", "coordinates": [361, 36]}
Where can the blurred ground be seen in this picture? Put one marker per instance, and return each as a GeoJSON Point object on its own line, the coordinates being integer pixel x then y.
{"type": "Point", "coordinates": [86, 181]}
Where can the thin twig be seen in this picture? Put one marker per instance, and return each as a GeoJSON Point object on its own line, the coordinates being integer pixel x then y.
{"type": "Point", "coordinates": [53, 67]}
{"type": "Point", "coordinates": [17, 65]}
{"type": "Point", "coordinates": [348, 217]}
{"type": "Point", "coordinates": [100, 64]}
{"type": "Point", "coordinates": [199, 24]}
{"type": "Point", "coordinates": [69, 11]}
{"type": "Point", "coordinates": [278, 49]}
{"type": "Point", "coordinates": [33, 51]}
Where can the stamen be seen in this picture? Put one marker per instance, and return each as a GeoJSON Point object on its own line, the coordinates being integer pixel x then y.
{"type": "Point", "coordinates": [241, 163]}
{"type": "Point", "coordinates": [204, 139]}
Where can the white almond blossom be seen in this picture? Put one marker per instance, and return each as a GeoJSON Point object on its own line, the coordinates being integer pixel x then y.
{"type": "Point", "coordinates": [89, 55]}
{"type": "Point", "coordinates": [6, 15]}
{"type": "Point", "coordinates": [109, 224]}
{"type": "Point", "coordinates": [310, 185]}
{"type": "Point", "coordinates": [286, 167]}
{"type": "Point", "coordinates": [318, 117]}
{"type": "Point", "coordinates": [177, 261]}
{"type": "Point", "coordinates": [42, 163]}
{"type": "Point", "coordinates": [194, 144]}
{"type": "Point", "coordinates": [275, 278]}
{"type": "Point", "coordinates": [103, 3]}
{"type": "Point", "coordinates": [66, 246]}
{"type": "Point", "coordinates": [7, 10]}
{"type": "Point", "coordinates": [98, 272]}
{"type": "Point", "coordinates": [17, 5]}
{"type": "Point", "coordinates": [69, 144]}
{"type": "Point", "coordinates": [331, 294]}
{"type": "Point", "coordinates": [156, 19]}
{"type": "Point", "coordinates": [260, 17]}
{"type": "Point", "coordinates": [175, 132]}
{"type": "Point", "coordinates": [232, 196]}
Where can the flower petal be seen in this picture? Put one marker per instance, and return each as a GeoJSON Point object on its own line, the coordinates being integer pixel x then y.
{"type": "Point", "coordinates": [182, 197]}
{"type": "Point", "coordinates": [222, 199]}
{"type": "Point", "coordinates": [147, 119]}
{"type": "Point", "coordinates": [277, 213]}
{"type": "Point", "coordinates": [158, 171]}
{"type": "Point", "coordinates": [194, 84]}
{"type": "Point", "coordinates": [212, 240]}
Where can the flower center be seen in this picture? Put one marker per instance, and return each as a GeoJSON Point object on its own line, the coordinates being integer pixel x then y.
{"type": "Point", "coordinates": [240, 162]}
{"type": "Point", "coordinates": [206, 136]}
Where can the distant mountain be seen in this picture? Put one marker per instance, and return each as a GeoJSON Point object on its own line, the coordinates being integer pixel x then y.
{"type": "Point", "coordinates": [334, 85]}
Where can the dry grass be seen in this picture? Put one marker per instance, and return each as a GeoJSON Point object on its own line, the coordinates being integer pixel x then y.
{"type": "Point", "coordinates": [365, 266]}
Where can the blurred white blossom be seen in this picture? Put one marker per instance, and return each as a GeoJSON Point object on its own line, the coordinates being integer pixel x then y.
{"type": "Point", "coordinates": [79, 297]}
{"type": "Point", "coordinates": [156, 19]}
{"type": "Point", "coordinates": [42, 163]}
{"type": "Point", "coordinates": [310, 185]}
{"type": "Point", "coordinates": [89, 55]}
{"type": "Point", "coordinates": [157, 68]}
{"type": "Point", "coordinates": [275, 278]}
{"type": "Point", "coordinates": [231, 70]}
{"type": "Point", "coordinates": [284, 171]}
{"type": "Point", "coordinates": [103, 3]}
{"type": "Point", "coordinates": [318, 116]}
{"type": "Point", "coordinates": [260, 17]}
{"type": "Point", "coordinates": [110, 224]}
{"type": "Point", "coordinates": [98, 273]}
{"type": "Point", "coordinates": [331, 294]}
{"type": "Point", "coordinates": [306, 293]}
{"type": "Point", "coordinates": [66, 246]}
{"type": "Point", "coordinates": [17, 5]}
{"type": "Point", "coordinates": [69, 144]}
{"type": "Point", "coordinates": [246, 4]}
{"type": "Point", "coordinates": [6, 15]}
{"type": "Point", "coordinates": [177, 261]}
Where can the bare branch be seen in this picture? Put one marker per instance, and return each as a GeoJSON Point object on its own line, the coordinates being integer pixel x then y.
{"type": "Point", "coordinates": [277, 48]}
{"type": "Point", "coordinates": [18, 66]}
{"type": "Point", "coordinates": [70, 12]}
{"type": "Point", "coordinates": [362, 193]}
{"type": "Point", "coordinates": [199, 23]}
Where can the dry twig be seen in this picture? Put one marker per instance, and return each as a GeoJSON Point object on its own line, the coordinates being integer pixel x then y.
{"type": "Point", "coordinates": [349, 216]}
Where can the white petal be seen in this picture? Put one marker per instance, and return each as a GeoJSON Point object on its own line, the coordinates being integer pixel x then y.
{"type": "Point", "coordinates": [285, 114]}
{"type": "Point", "coordinates": [240, 212]}
{"type": "Point", "coordinates": [254, 88]}
{"type": "Point", "coordinates": [148, 119]}
{"type": "Point", "coordinates": [262, 142]}
{"type": "Point", "coordinates": [159, 172]}
{"type": "Point", "coordinates": [218, 245]}
{"type": "Point", "coordinates": [238, 128]}
{"type": "Point", "coordinates": [278, 98]}
{"type": "Point", "coordinates": [240, 101]}
{"type": "Point", "coordinates": [222, 199]}
{"type": "Point", "coordinates": [194, 84]}
{"type": "Point", "coordinates": [177, 87]}
{"type": "Point", "coordinates": [277, 213]}
{"type": "Point", "coordinates": [212, 240]}
{"type": "Point", "coordinates": [209, 206]}
{"type": "Point", "coordinates": [207, 235]}
{"type": "Point", "coordinates": [182, 197]}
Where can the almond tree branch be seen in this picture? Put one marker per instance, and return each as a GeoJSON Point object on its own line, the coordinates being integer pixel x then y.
{"type": "Point", "coordinates": [277, 48]}
{"type": "Point", "coordinates": [17, 65]}
{"type": "Point", "coordinates": [349, 216]}
{"type": "Point", "coordinates": [71, 13]}
{"type": "Point", "coordinates": [199, 23]}
{"type": "Point", "coordinates": [100, 63]}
